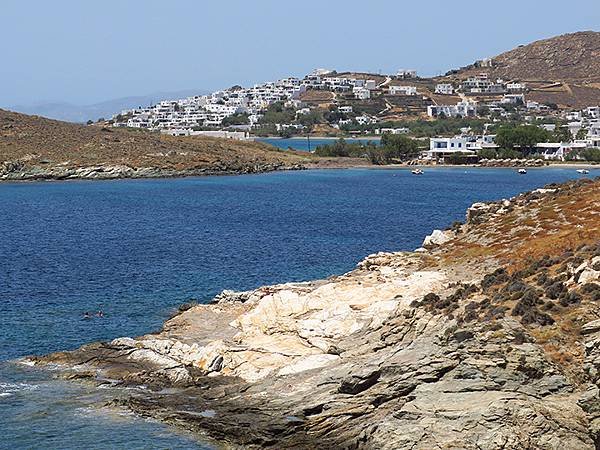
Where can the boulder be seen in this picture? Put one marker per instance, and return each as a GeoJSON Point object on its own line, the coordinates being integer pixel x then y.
{"type": "Point", "coordinates": [437, 238]}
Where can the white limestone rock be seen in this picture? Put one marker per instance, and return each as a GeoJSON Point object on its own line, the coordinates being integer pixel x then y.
{"type": "Point", "coordinates": [437, 238]}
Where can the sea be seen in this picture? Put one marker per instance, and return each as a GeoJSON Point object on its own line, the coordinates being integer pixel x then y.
{"type": "Point", "coordinates": [306, 144]}
{"type": "Point", "coordinates": [136, 249]}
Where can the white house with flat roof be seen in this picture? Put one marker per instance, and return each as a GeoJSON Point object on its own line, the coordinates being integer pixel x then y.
{"type": "Point", "coordinates": [441, 147]}
{"type": "Point", "coordinates": [515, 87]}
{"type": "Point", "coordinates": [406, 73]}
{"type": "Point", "coordinates": [364, 120]}
{"type": "Point", "coordinates": [370, 84]}
{"type": "Point", "coordinates": [444, 89]}
{"type": "Point", "coordinates": [513, 99]}
{"type": "Point", "coordinates": [403, 90]}
{"type": "Point", "coordinates": [593, 112]}
{"type": "Point", "coordinates": [361, 93]}
{"type": "Point", "coordinates": [558, 150]}
{"type": "Point", "coordinates": [593, 136]}
{"type": "Point", "coordinates": [402, 130]}
{"type": "Point", "coordinates": [461, 109]}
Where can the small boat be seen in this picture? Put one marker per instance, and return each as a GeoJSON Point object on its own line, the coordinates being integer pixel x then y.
{"type": "Point", "coordinates": [583, 171]}
{"type": "Point", "coordinates": [522, 171]}
{"type": "Point", "coordinates": [417, 172]}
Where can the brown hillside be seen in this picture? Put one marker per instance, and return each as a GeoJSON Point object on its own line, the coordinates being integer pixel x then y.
{"type": "Point", "coordinates": [43, 143]}
{"type": "Point", "coordinates": [564, 70]}
{"type": "Point", "coordinates": [573, 58]}
{"type": "Point", "coordinates": [570, 57]}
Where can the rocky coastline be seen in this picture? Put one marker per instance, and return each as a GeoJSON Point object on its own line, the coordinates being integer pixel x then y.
{"type": "Point", "coordinates": [18, 171]}
{"type": "Point", "coordinates": [487, 337]}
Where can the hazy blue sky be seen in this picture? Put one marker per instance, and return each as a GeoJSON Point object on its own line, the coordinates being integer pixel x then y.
{"type": "Point", "coordinates": [88, 51]}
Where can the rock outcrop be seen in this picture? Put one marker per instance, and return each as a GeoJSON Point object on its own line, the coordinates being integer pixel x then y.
{"type": "Point", "coordinates": [488, 340]}
{"type": "Point", "coordinates": [437, 238]}
{"type": "Point", "coordinates": [17, 171]}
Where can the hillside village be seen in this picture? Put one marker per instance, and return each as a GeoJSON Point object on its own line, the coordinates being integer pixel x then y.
{"type": "Point", "coordinates": [330, 103]}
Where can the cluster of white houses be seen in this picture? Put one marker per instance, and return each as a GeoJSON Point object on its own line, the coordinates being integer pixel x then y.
{"type": "Point", "coordinates": [469, 145]}
{"type": "Point", "coordinates": [182, 115]}
{"type": "Point", "coordinates": [479, 85]}
{"type": "Point", "coordinates": [211, 110]}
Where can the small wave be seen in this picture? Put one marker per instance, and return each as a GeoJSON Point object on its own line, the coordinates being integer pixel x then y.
{"type": "Point", "coordinates": [11, 388]}
{"type": "Point", "coordinates": [5, 394]}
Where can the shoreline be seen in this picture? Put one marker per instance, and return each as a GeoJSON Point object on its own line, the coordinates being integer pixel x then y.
{"type": "Point", "coordinates": [149, 174]}
{"type": "Point", "coordinates": [362, 358]}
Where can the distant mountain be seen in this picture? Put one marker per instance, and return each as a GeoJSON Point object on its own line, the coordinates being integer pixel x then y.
{"type": "Point", "coordinates": [573, 58]}
{"type": "Point", "coordinates": [82, 113]}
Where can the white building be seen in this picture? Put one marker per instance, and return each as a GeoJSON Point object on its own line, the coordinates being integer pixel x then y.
{"type": "Point", "coordinates": [593, 112]}
{"type": "Point", "coordinates": [364, 120]}
{"type": "Point", "coordinates": [513, 99]}
{"type": "Point", "coordinates": [361, 93]}
{"type": "Point", "coordinates": [486, 141]}
{"type": "Point", "coordinates": [303, 112]}
{"type": "Point", "coordinates": [515, 87]}
{"type": "Point", "coordinates": [444, 89]}
{"type": "Point", "coordinates": [404, 73]}
{"type": "Point", "coordinates": [593, 136]}
{"type": "Point", "coordinates": [535, 106]}
{"type": "Point", "coordinates": [574, 127]}
{"type": "Point", "coordinates": [557, 150]}
{"type": "Point", "coordinates": [370, 84]}
{"type": "Point", "coordinates": [402, 130]}
{"type": "Point", "coordinates": [461, 109]}
{"type": "Point", "coordinates": [439, 148]}
{"type": "Point", "coordinates": [548, 126]}
{"type": "Point", "coordinates": [481, 84]}
{"type": "Point", "coordinates": [403, 90]}
{"type": "Point", "coordinates": [347, 109]}
{"type": "Point", "coordinates": [237, 135]}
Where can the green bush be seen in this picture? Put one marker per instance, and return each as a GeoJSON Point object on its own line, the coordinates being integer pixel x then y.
{"type": "Point", "coordinates": [587, 154]}
{"type": "Point", "coordinates": [342, 148]}
{"type": "Point", "coordinates": [523, 137]}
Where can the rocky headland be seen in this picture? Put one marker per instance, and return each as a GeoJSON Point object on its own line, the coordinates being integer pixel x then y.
{"type": "Point", "coordinates": [35, 148]}
{"type": "Point", "coordinates": [487, 337]}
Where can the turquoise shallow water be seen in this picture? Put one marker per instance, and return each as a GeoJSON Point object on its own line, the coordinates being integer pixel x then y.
{"type": "Point", "coordinates": [135, 249]}
{"type": "Point", "coordinates": [304, 144]}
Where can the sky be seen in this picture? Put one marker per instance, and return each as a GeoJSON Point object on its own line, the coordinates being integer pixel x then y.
{"type": "Point", "coordinates": [84, 52]}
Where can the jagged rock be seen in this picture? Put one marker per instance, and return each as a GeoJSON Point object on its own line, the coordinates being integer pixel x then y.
{"type": "Point", "coordinates": [591, 327]}
{"type": "Point", "coordinates": [478, 211]}
{"type": "Point", "coordinates": [587, 271]}
{"type": "Point", "coordinates": [362, 360]}
{"type": "Point", "coordinates": [437, 238]}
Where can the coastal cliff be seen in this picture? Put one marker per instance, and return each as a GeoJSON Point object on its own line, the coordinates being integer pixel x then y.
{"type": "Point", "coordinates": [488, 337]}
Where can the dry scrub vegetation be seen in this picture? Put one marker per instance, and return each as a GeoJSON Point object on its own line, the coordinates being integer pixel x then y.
{"type": "Point", "coordinates": [37, 141]}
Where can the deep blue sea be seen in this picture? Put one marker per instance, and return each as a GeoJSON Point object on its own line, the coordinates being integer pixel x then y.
{"type": "Point", "coordinates": [136, 249]}
{"type": "Point", "coordinates": [305, 145]}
